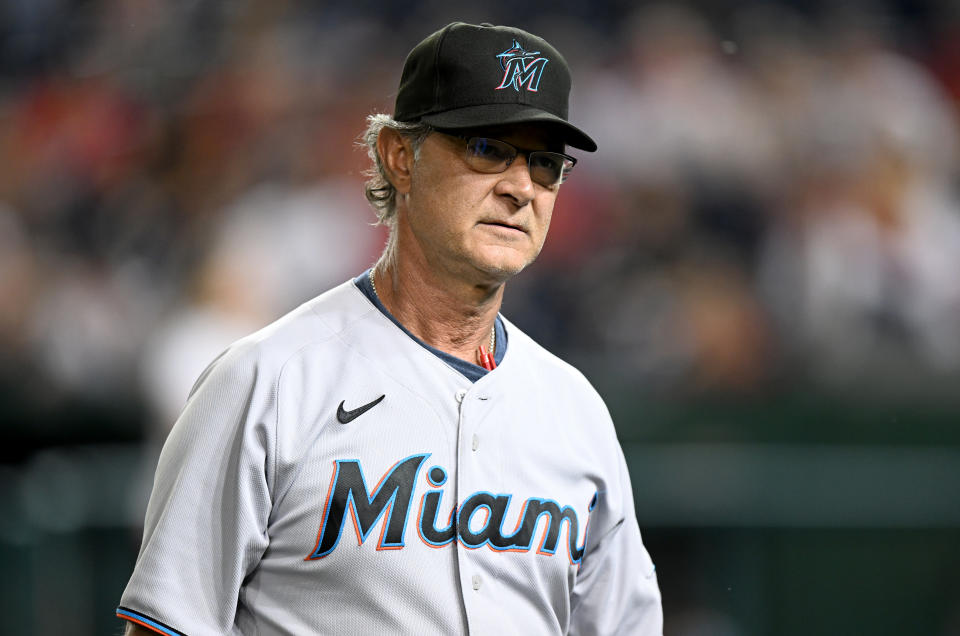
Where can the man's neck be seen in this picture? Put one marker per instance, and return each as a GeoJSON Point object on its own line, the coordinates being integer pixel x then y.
{"type": "Point", "coordinates": [451, 315]}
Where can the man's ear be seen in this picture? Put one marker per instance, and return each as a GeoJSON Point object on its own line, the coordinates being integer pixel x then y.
{"type": "Point", "coordinates": [396, 154]}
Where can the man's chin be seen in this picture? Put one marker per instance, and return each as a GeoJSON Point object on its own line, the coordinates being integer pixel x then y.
{"type": "Point", "coordinates": [501, 271]}
{"type": "Point", "coordinates": [503, 263]}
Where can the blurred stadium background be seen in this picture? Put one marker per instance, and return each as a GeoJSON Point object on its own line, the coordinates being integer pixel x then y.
{"type": "Point", "coordinates": [760, 270]}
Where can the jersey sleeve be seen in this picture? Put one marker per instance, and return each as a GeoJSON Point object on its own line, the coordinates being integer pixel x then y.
{"type": "Point", "coordinates": [206, 523]}
{"type": "Point", "coordinates": [616, 590]}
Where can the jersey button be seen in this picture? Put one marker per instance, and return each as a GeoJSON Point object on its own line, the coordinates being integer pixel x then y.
{"type": "Point", "coordinates": [460, 395]}
{"type": "Point", "coordinates": [476, 442]}
{"type": "Point", "coordinates": [476, 581]}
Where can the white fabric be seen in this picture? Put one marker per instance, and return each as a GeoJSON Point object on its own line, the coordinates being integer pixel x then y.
{"type": "Point", "coordinates": [244, 480]}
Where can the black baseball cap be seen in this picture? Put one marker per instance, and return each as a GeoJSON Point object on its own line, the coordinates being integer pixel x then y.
{"type": "Point", "coordinates": [469, 76]}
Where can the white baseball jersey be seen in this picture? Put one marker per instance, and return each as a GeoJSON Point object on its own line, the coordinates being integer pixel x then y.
{"type": "Point", "coordinates": [330, 475]}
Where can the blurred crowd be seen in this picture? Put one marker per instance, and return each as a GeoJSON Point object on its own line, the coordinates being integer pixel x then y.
{"type": "Point", "coordinates": [774, 200]}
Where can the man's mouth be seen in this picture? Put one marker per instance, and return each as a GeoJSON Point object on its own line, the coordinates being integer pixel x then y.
{"type": "Point", "coordinates": [506, 225]}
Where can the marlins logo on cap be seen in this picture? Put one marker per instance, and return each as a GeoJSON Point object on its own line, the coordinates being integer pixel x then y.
{"type": "Point", "coordinates": [521, 68]}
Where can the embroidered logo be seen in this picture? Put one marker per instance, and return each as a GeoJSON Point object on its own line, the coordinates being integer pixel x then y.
{"type": "Point", "coordinates": [345, 417]}
{"type": "Point", "coordinates": [521, 68]}
{"type": "Point", "coordinates": [483, 519]}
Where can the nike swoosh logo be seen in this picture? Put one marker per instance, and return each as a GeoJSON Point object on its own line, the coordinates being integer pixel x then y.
{"type": "Point", "coordinates": [345, 417]}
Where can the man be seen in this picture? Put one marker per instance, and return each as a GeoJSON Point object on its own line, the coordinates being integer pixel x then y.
{"type": "Point", "coordinates": [393, 456]}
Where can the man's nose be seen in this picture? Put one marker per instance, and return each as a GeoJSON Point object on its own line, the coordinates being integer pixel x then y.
{"type": "Point", "coordinates": [516, 183]}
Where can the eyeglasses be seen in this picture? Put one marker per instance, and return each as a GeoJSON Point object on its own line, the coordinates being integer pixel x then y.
{"type": "Point", "coordinates": [491, 156]}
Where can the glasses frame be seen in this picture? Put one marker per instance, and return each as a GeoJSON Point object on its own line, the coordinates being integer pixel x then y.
{"type": "Point", "coordinates": [470, 139]}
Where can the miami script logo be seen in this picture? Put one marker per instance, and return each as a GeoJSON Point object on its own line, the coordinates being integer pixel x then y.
{"type": "Point", "coordinates": [389, 504]}
{"type": "Point", "coordinates": [521, 68]}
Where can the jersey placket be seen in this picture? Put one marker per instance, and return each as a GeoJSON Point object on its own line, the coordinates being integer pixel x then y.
{"type": "Point", "coordinates": [465, 569]}
{"type": "Point", "coordinates": [474, 471]}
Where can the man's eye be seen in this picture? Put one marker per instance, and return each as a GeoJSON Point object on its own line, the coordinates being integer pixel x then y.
{"type": "Point", "coordinates": [541, 161]}
{"type": "Point", "coordinates": [490, 151]}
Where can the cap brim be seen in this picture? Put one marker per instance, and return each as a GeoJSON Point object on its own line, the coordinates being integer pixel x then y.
{"type": "Point", "coordinates": [500, 114]}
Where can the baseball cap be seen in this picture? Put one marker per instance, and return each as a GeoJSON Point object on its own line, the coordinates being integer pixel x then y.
{"type": "Point", "coordinates": [469, 76]}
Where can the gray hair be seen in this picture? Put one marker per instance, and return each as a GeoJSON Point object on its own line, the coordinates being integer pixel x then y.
{"type": "Point", "coordinates": [381, 194]}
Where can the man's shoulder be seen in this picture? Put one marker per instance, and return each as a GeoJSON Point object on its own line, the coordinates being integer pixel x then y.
{"type": "Point", "coordinates": [548, 368]}
{"type": "Point", "coordinates": [563, 394]}
{"type": "Point", "coordinates": [317, 322]}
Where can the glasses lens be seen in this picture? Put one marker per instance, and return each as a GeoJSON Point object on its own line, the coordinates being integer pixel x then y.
{"type": "Point", "coordinates": [489, 155]}
{"type": "Point", "coordinates": [549, 168]}
{"type": "Point", "coordinates": [492, 155]}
